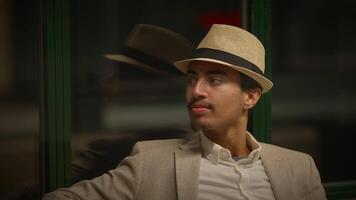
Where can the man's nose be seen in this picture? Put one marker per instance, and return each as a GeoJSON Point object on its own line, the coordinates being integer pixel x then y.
{"type": "Point", "coordinates": [200, 89]}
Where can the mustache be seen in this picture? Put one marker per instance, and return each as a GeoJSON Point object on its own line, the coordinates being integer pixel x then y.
{"type": "Point", "coordinates": [200, 102]}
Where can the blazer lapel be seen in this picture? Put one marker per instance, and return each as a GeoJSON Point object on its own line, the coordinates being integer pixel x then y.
{"type": "Point", "coordinates": [277, 170]}
{"type": "Point", "coordinates": [187, 163]}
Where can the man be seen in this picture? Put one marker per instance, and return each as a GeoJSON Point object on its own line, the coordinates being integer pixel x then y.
{"type": "Point", "coordinates": [223, 161]}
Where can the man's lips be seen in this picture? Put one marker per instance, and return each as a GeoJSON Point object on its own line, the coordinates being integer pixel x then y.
{"type": "Point", "coordinates": [200, 107]}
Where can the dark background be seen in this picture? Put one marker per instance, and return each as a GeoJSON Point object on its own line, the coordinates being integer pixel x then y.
{"type": "Point", "coordinates": [313, 67]}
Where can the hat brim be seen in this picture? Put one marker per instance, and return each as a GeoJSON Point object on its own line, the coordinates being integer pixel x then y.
{"type": "Point", "coordinates": [160, 68]}
{"type": "Point", "coordinates": [264, 82]}
{"type": "Point", "coordinates": [128, 60]}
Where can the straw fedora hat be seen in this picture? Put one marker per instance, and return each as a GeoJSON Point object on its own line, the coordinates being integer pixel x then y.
{"type": "Point", "coordinates": [233, 47]}
{"type": "Point", "coordinates": [154, 48]}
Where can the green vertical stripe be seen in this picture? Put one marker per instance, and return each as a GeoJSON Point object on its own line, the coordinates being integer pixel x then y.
{"type": "Point", "coordinates": [261, 28]}
{"type": "Point", "coordinates": [59, 94]}
{"type": "Point", "coordinates": [67, 101]}
{"type": "Point", "coordinates": [51, 110]}
{"type": "Point", "coordinates": [58, 107]}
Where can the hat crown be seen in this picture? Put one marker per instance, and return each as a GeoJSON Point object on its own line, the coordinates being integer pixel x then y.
{"type": "Point", "coordinates": [235, 41]}
{"type": "Point", "coordinates": [159, 42]}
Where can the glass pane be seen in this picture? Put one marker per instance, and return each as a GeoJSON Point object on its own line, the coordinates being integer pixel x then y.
{"type": "Point", "coordinates": [116, 104]}
{"type": "Point", "coordinates": [314, 62]}
{"type": "Point", "coordinates": [19, 99]}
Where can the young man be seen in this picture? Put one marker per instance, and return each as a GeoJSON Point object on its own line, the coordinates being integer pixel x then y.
{"type": "Point", "coordinates": [223, 161]}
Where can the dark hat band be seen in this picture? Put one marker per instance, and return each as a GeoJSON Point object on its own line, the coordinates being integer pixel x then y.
{"type": "Point", "coordinates": [149, 60]}
{"type": "Point", "coordinates": [226, 57]}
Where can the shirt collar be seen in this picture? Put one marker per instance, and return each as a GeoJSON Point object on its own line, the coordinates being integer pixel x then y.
{"type": "Point", "coordinates": [216, 153]}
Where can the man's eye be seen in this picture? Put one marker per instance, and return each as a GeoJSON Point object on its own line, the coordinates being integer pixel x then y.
{"type": "Point", "coordinates": [215, 81]}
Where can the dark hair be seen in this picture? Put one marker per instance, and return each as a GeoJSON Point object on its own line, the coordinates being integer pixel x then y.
{"type": "Point", "coordinates": [248, 83]}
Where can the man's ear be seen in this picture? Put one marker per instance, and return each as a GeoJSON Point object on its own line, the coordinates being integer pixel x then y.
{"type": "Point", "coordinates": [252, 97]}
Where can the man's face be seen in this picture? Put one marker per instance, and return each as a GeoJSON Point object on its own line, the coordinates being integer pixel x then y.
{"type": "Point", "coordinates": [214, 96]}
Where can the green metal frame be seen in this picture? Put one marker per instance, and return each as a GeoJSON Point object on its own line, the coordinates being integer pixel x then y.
{"type": "Point", "coordinates": [261, 28]}
{"type": "Point", "coordinates": [341, 190]}
{"type": "Point", "coordinates": [56, 95]}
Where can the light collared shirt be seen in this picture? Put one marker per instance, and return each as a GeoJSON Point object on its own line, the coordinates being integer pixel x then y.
{"type": "Point", "coordinates": [225, 177]}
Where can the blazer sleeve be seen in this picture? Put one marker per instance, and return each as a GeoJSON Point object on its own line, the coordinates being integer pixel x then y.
{"type": "Point", "coordinates": [119, 183]}
{"type": "Point", "coordinates": [317, 191]}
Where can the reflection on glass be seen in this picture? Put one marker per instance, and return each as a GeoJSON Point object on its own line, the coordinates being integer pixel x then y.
{"type": "Point", "coordinates": [143, 102]}
{"type": "Point", "coordinates": [19, 102]}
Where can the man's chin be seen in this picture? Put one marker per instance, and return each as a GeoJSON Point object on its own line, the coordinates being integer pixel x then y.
{"type": "Point", "coordinates": [196, 126]}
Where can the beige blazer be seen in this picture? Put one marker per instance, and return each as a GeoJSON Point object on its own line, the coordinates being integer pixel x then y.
{"type": "Point", "coordinates": [169, 169]}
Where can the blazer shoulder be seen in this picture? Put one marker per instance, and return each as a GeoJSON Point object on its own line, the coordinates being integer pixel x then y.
{"type": "Point", "coordinates": [298, 166]}
{"type": "Point", "coordinates": [155, 146]}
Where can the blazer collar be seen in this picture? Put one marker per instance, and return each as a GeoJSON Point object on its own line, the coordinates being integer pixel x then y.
{"type": "Point", "coordinates": [277, 169]}
{"type": "Point", "coordinates": [187, 162]}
